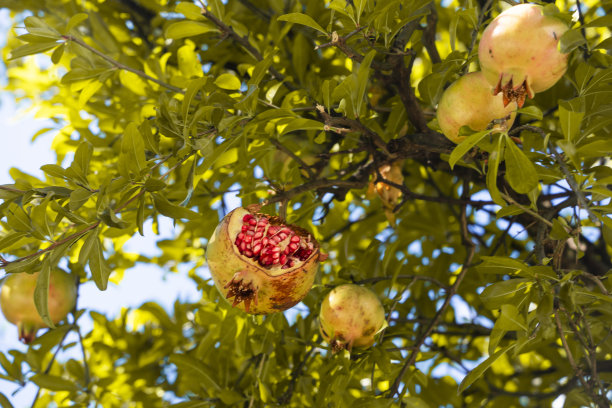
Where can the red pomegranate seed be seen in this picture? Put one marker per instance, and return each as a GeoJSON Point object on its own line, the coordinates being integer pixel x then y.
{"type": "Point", "coordinates": [247, 217]}
{"type": "Point", "coordinates": [295, 238]}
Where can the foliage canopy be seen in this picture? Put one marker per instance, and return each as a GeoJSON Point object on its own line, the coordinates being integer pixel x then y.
{"type": "Point", "coordinates": [492, 258]}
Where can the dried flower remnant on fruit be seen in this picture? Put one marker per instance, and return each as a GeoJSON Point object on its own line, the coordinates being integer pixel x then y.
{"type": "Point", "coordinates": [259, 263]}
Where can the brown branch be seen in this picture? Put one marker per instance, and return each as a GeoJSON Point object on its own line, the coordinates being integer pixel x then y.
{"type": "Point", "coordinates": [246, 44]}
{"type": "Point", "coordinates": [429, 35]}
{"type": "Point", "coordinates": [415, 277]}
{"type": "Point", "coordinates": [340, 43]}
{"type": "Point", "coordinates": [353, 125]}
{"type": "Point", "coordinates": [295, 157]}
{"type": "Point", "coordinates": [470, 251]}
{"type": "Point", "coordinates": [575, 367]}
{"type": "Point", "coordinates": [119, 65]}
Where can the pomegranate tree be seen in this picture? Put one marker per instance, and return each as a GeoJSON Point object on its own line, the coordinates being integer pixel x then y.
{"type": "Point", "coordinates": [261, 264]}
{"type": "Point", "coordinates": [519, 52]}
{"type": "Point", "coordinates": [17, 301]}
{"type": "Point", "coordinates": [469, 101]}
{"type": "Point", "coordinates": [351, 316]}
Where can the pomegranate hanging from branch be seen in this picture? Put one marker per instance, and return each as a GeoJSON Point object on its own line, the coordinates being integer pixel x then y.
{"type": "Point", "coordinates": [259, 263]}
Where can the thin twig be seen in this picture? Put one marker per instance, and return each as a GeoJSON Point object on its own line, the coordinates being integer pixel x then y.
{"type": "Point", "coordinates": [295, 157]}
{"type": "Point", "coordinates": [246, 44]}
{"type": "Point", "coordinates": [119, 65]}
{"type": "Point", "coordinates": [471, 250]}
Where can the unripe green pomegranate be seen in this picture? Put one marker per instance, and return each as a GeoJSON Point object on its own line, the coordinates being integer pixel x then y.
{"type": "Point", "coordinates": [469, 101]}
{"type": "Point", "coordinates": [519, 52]}
{"type": "Point", "coordinates": [350, 317]}
{"type": "Point", "coordinates": [17, 301]}
{"type": "Point", "coordinates": [261, 264]}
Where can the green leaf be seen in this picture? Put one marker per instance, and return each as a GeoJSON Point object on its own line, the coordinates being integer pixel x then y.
{"type": "Point", "coordinates": [133, 149]}
{"type": "Point", "coordinates": [510, 319]}
{"type": "Point", "coordinates": [79, 197]}
{"type": "Point", "coordinates": [363, 75]}
{"type": "Point", "coordinates": [31, 49]}
{"type": "Point", "coordinates": [4, 401]}
{"type": "Point", "coordinates": [228, 81]}
{"type": "Point", "coordinates": [520, 171]}
{"type": "Point", "coordinates": [465, 146]}
{"type": "Point", "coordinates": [494, 160]}
{"type": "Point", "coordinates": [477, 372]}
{"type": "Point", "coordinates": [303, 19]}
{"type": "Point", "coordinates": [605, 21]}
{"type": "Point", "coordinates": [54, 170]}
{"type": "Point", "coordinates": [41, 293]}
{"type": "Point", "coordinates": [504, 292]}
{"type": "Point", "coordinates": [302, 124]}
{"type": "Point", "coordinates": [53, 383]}
{"type": "Point", "coordinates": [154, 184]}
{"type": "Point", "coordinates": [191, 366]}
{"type": "Point", "coordinates": [531, 112]}
{"type": "Point", "coordinates": [570, 121]}
{"type": "Point", "coordinates": [100, 270]}
{"type": "Point", "coordinates": [168, 209]}
{"type": "Point", "coordinates": [184, 29]}
{"type": "Point", "coordinates": [88, 91]}
{"type": "Point", "coordinates": [39, 27]}
{"type": "Point", "coordinates": [75, 20]}
{"type": "Point", "coordinates": [571, 39]}
{"type": "Point", "coordinates": [190, 10]}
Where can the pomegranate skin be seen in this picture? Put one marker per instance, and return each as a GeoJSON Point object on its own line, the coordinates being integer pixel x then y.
{"type": "Point", "coordinates": [469, 101]}
{"type": "Point", "coordinates": [17, 301]}
{"type": "Point", "coordinates": [350, 317]}
{"type": "Point", "coordinates": [519, 53]}
{"type": "Point", "coordinates": [251, 287]}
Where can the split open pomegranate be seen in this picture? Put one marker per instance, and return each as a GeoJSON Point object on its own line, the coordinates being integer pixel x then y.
{"type": "Point", "coordinates": [261, 264]}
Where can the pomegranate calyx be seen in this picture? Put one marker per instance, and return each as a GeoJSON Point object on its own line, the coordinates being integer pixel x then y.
{"type": "Point", "coordinates": [27, 332]}
{"type": "Point", "coordinates": [513, 93]}
{"type": "Point", "coordinates": [241, 291]}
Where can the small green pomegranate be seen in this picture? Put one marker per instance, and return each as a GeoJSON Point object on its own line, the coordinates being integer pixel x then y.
{"type": "Point", "coordinates": [350, 317]}
{"type": "Point", "coordinates": [17, 301]}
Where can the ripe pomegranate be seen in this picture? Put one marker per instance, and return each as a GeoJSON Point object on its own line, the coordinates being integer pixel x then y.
{"type": "Point", "coordinates": [263, 264]}
{"type": "Point", "coordinates": [469, 102]}
{"type": "Point", "coordinates": [17, 301]}
{"type": "Point", "coordinates": [351, 316]}
{"type": "Point", "coordinates": [519, 52]}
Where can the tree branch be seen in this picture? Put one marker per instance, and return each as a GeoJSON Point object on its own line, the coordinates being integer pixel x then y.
{"type": "Point", "coordinates": [119, 65]}
{"type": "Point", "coordinates": [470, 251]}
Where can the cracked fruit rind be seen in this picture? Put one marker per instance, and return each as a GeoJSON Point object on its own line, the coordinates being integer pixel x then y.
{"type": "Point", "coordinates": [350, 317]}
{"type": "Point", "coordinates": [469, 101]}
{"type": "Point", "coordinates": [17, 301]}
{"type": "Point", "coordinates": [260, 264]}
{"type": "Point", "coordinates": [519, 52]}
